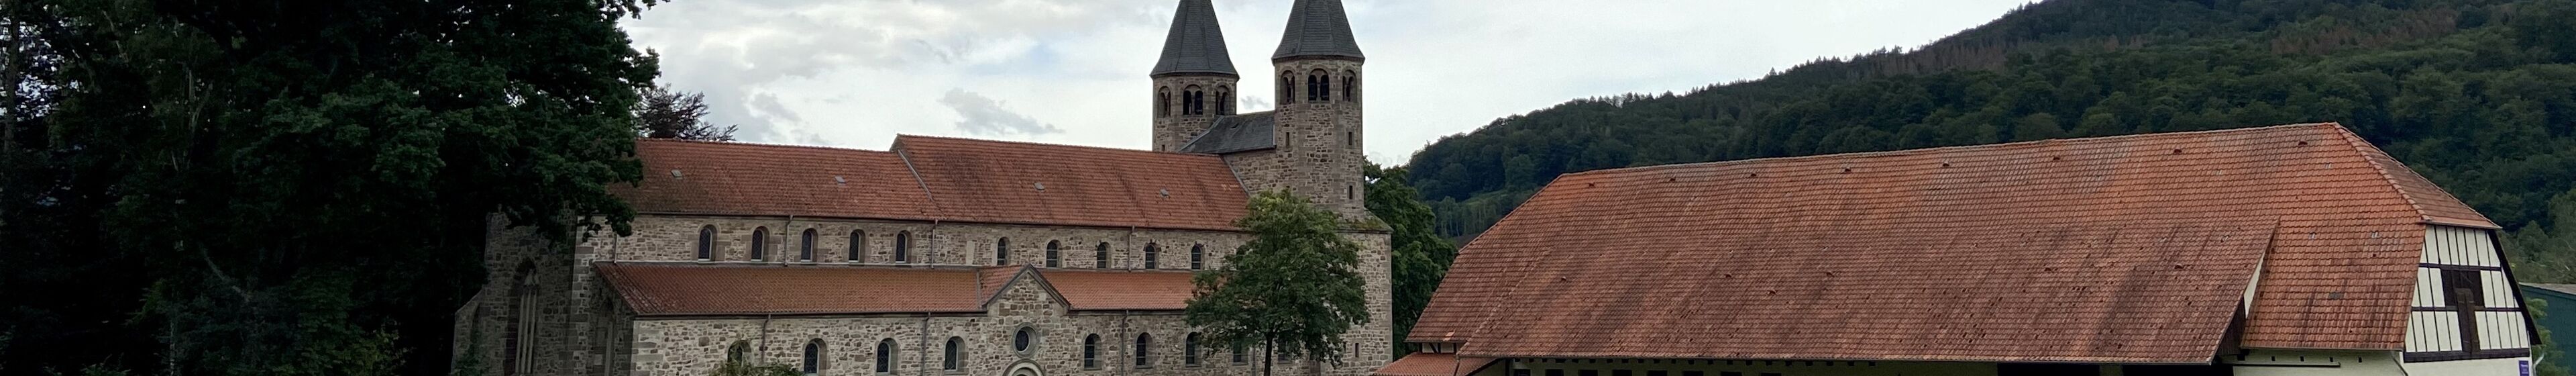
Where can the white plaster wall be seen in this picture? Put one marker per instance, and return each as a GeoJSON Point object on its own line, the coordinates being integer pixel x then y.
{"type": "Point", "coordinates": [2316, 363]}
{"type": "Point", "coordinates": [2481, 367]}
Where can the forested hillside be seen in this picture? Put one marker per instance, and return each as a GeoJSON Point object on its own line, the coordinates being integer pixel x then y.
{"type": "Point", "coordinates": [2478, 95]}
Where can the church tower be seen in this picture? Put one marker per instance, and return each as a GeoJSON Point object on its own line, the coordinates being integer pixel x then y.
{"type": "Point", "coordinates": [1318, 68]}
{"type": "Point", "coordinates": [1194, 84]}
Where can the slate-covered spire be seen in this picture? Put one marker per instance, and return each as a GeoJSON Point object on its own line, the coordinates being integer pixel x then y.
{"type": "Point", "coordinates": [1196, 45]}
{"type": "Point", "coordinates": [1318, 28]}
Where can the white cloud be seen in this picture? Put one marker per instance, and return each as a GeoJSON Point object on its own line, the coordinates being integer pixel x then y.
{"type": "Point", "coordinates": [1073, 71]}
{"type": "Point", "coordinates": [988, 117]}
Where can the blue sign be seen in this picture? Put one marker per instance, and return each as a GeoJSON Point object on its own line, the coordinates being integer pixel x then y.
{"type": "Point", "coordinates": [2526, 368]}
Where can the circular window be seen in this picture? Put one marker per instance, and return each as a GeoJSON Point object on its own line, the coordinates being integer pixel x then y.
{"type": "Point", "coordinates": [1020, 341]}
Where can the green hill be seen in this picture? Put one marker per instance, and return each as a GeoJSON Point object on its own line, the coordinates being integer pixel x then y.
{"type": "Point", "coordinates": [2478, 95]}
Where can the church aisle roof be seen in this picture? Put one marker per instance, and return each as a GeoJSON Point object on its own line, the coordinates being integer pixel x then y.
{"type": "Point", "coordinates": [1027, 183]}
{"type": "Point", "coordinates": [692, 289]}
{"type": "Point", "coordinates": [2132, 249]}
{"type": "Point", "coordinates": [697, 177]}
{"type": "Point", "coordinates": [1318, 28]}
{"type": "Point", "coordinates": [944, 179]}
{"type": "Point", "coordinates": [1238, 133]}
{"type": "Point", "coordinates": [1197, 43]}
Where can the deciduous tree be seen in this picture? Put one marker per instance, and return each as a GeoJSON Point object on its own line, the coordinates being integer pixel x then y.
{"type": "Point", "coordinates": [1294, 289]}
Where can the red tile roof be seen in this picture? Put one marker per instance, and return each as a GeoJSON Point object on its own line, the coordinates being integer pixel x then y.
{"type": "Point", "coordinates": [1111, 290]}
{"type": "Point", "coordinates": [683, 289]}
{"type": "Point", "coordinates": [2131, 249]}
{"type": "Point", "coordinates": [1434, 364]}
{"type": "Point", "coordinates": [936, 178]}
{"type": "Point", "coordinates": [1000, 182]}
{"type": "Point", "coordinates": [696, 177]}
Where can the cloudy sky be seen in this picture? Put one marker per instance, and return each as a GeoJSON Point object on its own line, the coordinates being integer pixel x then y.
{"type": "Point", "coordinates": [854, 73]}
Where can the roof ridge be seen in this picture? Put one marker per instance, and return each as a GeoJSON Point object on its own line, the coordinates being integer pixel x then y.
{"type": "Point", "coordinates": [899, 138]}
{"type": "Point", "coordinates": [1934, 150]}
{"type": "Point", "coordinates": [2362, 149]}
{"type": "Point", "coordinates": [756, 144]}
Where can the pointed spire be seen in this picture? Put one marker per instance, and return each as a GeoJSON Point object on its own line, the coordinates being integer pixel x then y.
{"type": "Point", "coordinates": [1196, 45]}
{"type": "Point", "coordinates": [1318, 28]}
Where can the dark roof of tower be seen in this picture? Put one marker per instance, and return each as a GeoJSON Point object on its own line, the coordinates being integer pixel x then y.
{"type": "Point", "coordinates": [1237, 133]}
{"type": "Point", "coordinates": [1318, 28]}
{"type": "Point", "coordinates": [1196, 45]}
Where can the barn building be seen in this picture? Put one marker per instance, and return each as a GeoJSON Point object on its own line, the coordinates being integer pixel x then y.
{"type": "Point", "coordinates": [2286, 250]}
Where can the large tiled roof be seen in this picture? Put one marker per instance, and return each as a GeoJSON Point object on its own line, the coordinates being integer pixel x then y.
{"type": "Point", "coordinates": [1238, 133]}
{"type": "Point", "coordinates": [684, 289]}
{"type": "Point", "coordinates": [1196, 44]}
{"type": "Point", "coordinates": [937, 178]}
{"type": "Point", "coordinates": [2132, 249]}
{"type": "Point", "coordinates": [1011, 182]}
{"type": "Point", "coordinates": [1318, 28]}
{"type": "Point", "coordinates": [1434, 364]}
{"type": "Point", "coordinates": [694, 177]}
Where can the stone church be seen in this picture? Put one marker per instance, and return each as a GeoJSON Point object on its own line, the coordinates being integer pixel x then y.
{"type": "Point", "coordinates": [946, 256]}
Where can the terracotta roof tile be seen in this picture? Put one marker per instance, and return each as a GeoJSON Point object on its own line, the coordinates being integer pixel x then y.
{"type": "Point", "coordinates": [695, 177]}
{"type": "Point", "coordinates": [1434, 364]}
{"type": "Point", "coordinates": [1111, 290]}
{"type": "Point", "coordinates": [2129, 249]}
{"type": "Point", "coordinates": [1000, 182]}
{"type": "Point", "coordinates": [935, 178]}
{"type": "Point", "coordinates": [682, 289]}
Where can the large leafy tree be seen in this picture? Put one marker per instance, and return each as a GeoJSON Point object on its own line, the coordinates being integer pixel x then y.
{"type": "Point", "coordinates": [265, 188]}
{"type": "Point", "coordinates": [1294, 289]}
{"type": "Point", "coordinates": [1420, 255]}
{"type": "Point", "coordinates": [670, 113]}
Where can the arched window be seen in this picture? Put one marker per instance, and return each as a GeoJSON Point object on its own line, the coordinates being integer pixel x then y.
{"type": "Point", "coordinates": [759, 244]}
{"type": "Point", "coordinates": [1193, 101]}
{"type": "Point", "coordinates": [1163, 102]}
{"type": "Point", "coordinates": [1100, 256]}
{"type": "Point", "coordinates": [517, 354]}
{"type": "Point", "coordinates": [1002, 251]}
{"type": "Point", "coordinates": [954, 356]}
{"type": "Point", "coordinates": [707, 243]}
{"type": "Point", "coordinates": [1190, 349]}
{"type": "Point", "coordinates": [1054, 255]}
{"type": "Point", "coordinates": [858, 245]}
{"type": "Point", "coordinates": [1091, 352]}
{"type": "Point", "coordinates": [814, 357]}
{"type": "Point", "coordinates": [1153, 254]}
{"type": "Point", "coordinates": [1350, 86]}
{"type": "Point", "coordinates": [805, 248]}
{"type": "Point", "coordinates": [1144, 351]}
{"type": "Point", "coordinates": [1198, 256]}
{"type": "Point", "coordinates": [903, 247]}
{"type": "Point", "coordinates": [1287, 92]}
{"type": "Point", "coordinates": [739, 353]}
{"type": "Point", "coordinates": [1319, 86]}
{"type": "Point", "coordinates": [1224, 100]}
{"type": "Point", "coordinates": [885, 356]}
{"type": "Point", "coordinates": [1350, 139]}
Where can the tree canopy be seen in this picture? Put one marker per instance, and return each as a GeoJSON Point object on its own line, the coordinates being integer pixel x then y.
{"type": "Point", "coordinates": [246, 188]}
{"type": "Point", "coordinates": [1294, 289]}
{"type": "Point", "coordinates": [1419, 255]}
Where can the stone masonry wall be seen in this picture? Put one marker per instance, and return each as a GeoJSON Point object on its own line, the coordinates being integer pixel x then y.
{"type": "Point", "coordinates": [583, 333]}
{"type": "Point", "coordinates": [1319, 154]}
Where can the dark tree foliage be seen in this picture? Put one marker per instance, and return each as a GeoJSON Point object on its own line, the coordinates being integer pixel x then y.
{"type": "Point", "coordinates": [1420, 255]}
{"type": "Point", "coordinates": [1292, 291]}
{"type": "Point", "coordinates": [261, 188]}
{"type": "Point", "coordinates": [2480, 96]}
{"type": "Point", "coordinates": [667, 113]}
